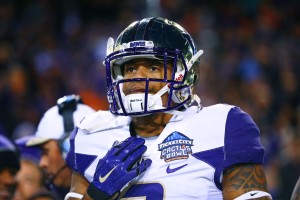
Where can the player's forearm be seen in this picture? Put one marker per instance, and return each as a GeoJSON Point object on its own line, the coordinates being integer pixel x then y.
{"type": "Point", "coordinates": [245, 181]}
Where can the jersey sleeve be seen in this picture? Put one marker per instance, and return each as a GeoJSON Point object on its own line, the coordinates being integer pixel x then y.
{"type": "Point", "coordinates": [242, 139]}
{"type": "Point", "coordinates": [241, 144]}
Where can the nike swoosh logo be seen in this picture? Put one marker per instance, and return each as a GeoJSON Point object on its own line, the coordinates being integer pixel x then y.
{"type": "Point", "coordinates": [102, 179]}
{"type": "Point", "coordinates": [169, 170]}
{"type": "Point", "coordinates": [252, 194]}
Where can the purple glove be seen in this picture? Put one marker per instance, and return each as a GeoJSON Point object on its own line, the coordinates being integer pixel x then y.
{"type": "Point", "coordinates": [120, 165]}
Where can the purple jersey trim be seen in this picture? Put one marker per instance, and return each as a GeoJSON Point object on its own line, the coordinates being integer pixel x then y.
{"type": "Point", "coordinates": [242, 145]}
{"type": "Point", "coordinates": [215, 158]}
{"type": "Point", "coordinates": [78, 162]}
{"type": "Point", "coordinates": [84, 161]}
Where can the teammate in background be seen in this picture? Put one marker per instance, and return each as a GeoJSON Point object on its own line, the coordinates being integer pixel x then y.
{"type": "Point", "coordinates": [296, 192]}
{"type": "Point", "coordinates": [52, 137]}
{"type": "Point", "coordinates": [157, 141]}
{"type": "Point", "coordinates": [9, 166]}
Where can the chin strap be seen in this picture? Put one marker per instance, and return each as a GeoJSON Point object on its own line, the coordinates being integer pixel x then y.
{"type": "Point", "coordinates": [177, 112]}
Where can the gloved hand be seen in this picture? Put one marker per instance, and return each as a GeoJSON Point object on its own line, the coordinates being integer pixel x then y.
{"type": "Point", "coordinates": [120, 165]}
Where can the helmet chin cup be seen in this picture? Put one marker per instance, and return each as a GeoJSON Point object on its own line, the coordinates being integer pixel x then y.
{"type": "Point", "coordinates": [135, 103]}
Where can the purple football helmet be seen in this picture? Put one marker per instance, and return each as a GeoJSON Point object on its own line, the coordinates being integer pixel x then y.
{"type": "Point", "coordinates": [159, 39]}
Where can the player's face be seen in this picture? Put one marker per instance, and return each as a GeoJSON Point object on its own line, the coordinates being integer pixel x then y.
{"type": "Point", "coordinates": [144, 68]}
{"type": "Point", "coordinates": [7, 183]}
{"type": "Point", "coordinates": [52, 161]}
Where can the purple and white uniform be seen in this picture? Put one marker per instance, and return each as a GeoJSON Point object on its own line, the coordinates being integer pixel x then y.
{"type": "Point", "coordinates": [188, 157]}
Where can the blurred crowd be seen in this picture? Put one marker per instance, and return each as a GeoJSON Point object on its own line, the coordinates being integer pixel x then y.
{"type": "Point", "coordinates": [50, 48]}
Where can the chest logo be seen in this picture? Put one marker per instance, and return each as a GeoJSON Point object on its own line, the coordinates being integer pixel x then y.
{"type": "Point", "coordinates": [169, 170]}
{"type": "Point", "coordinates": [175, 147]}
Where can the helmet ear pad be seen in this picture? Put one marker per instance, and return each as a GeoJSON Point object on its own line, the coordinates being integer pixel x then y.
{"type": "Point", "coordinates": [181, 94]}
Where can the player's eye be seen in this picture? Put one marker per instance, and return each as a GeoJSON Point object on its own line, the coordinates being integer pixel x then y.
{"type": "Point", "coordinates": [153, 68]}
{"type": "Point", "coordinates": [129, 68]}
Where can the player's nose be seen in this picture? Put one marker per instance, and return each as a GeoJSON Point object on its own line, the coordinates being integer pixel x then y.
{"type": "Point", "coordinates": [141, 71]}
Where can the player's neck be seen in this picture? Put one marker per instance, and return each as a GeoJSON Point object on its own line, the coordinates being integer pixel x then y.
{"type": "Point", "coordinates": [150, 125]}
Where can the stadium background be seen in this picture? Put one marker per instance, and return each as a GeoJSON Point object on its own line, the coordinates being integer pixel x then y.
{"type": "Point", "coordinates": [50, 48]}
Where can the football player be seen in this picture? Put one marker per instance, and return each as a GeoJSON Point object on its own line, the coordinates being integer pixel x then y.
{"type": "Point", "coordinates": [157, 141]}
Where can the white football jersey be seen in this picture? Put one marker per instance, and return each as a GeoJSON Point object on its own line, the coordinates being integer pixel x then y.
{"type": "Point", "coordinates": [188, 157]}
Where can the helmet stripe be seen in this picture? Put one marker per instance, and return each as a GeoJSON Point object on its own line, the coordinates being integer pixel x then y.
{"type": "Point", "coordinates": [148, 28]}
{"type": "Point", "coordinates": [140, 31]}
{"type": "Point", "coordinates": [133, 32]}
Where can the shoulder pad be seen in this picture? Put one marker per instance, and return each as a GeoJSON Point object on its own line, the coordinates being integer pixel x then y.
{"type": "Point", "coordinates": [101, 120]}
{"type": "Point", "coordinates": [219, 107]}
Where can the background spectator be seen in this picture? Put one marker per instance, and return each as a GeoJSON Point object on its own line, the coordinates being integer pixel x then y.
{"type": "Point", "coordinates": [9, 165]}
{"type": "Point", "coordinates": [30, 178]}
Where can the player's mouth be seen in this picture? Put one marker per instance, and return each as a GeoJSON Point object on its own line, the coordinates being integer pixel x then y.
{"type": "Point", "coordinates": [134, 90]}
{"type": "Point", "coordinates": [137, 90]}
